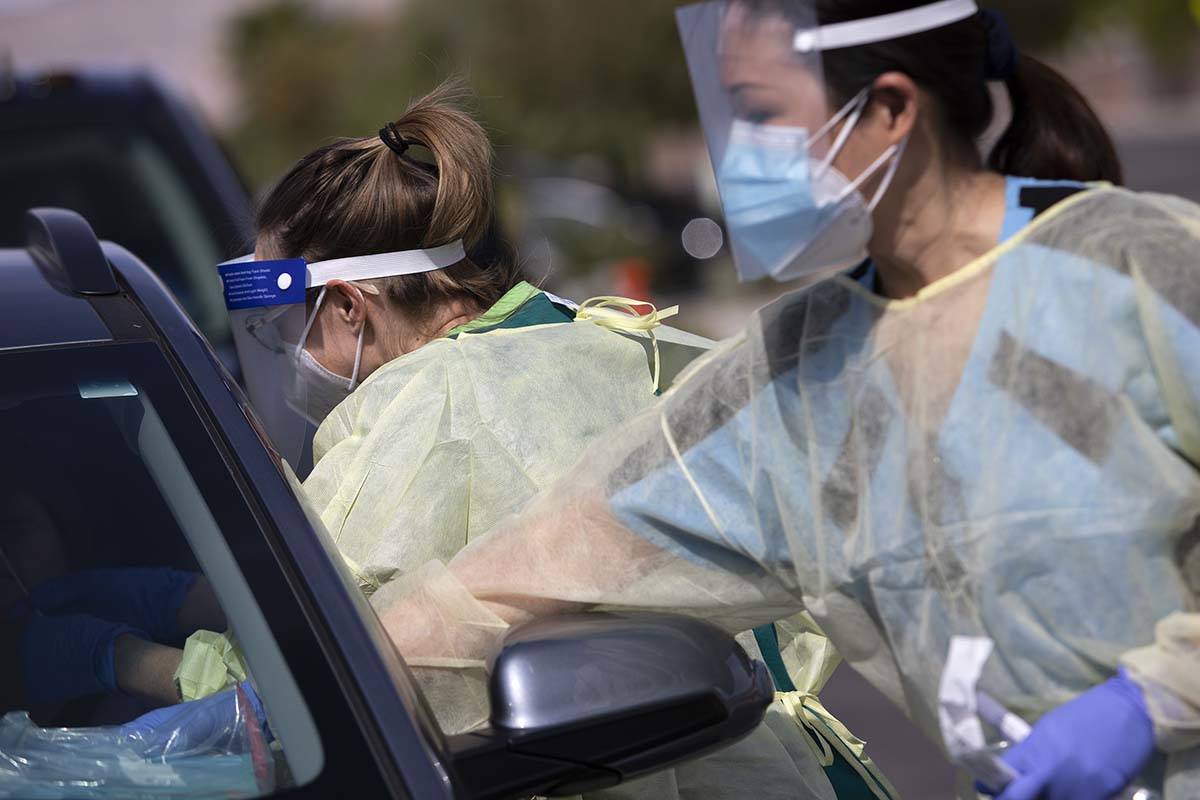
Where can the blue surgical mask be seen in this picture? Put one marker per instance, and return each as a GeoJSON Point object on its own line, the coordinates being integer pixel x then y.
{"type": "Point", "coordinates": [788, 213]}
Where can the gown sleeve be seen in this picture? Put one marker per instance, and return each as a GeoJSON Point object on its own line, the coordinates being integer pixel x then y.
{"type": "Point", "coordinates": [644, 520]}
{"type": "Point", "coordinates": [392, 478]}
{"type": "Point", "coordinates": [1164, 261]}
{"type": "Point", "coordinates": [399, 483]}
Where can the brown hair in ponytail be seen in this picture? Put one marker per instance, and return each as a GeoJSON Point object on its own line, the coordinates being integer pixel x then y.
{"type": "Point", "coordinates": [360, 197]}
{"type": "Point", "coordinates": [1054, 133]}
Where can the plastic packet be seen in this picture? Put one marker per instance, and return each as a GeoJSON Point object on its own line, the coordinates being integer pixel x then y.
{"type": "Point", "coordinates": [206, 749]}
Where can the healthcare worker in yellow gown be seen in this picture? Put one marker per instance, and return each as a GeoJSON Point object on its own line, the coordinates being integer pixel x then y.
{"type": "Point", "coordinates": [379, 312]}
{"type": "Point", "coordinates": [445, 393]}
{"type": "Point", "coordinates": [986, 431]}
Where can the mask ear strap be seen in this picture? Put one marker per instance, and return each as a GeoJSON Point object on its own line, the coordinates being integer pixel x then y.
{"type": "Point", "coordinates": [362, 287]}
{"type": "Point", "coordinates": [358, 356]}
{"type": "Point", "coordinates": [311, 319]}
{"type": "Point", "coordinates": [358, 351]}
{"type": "Point", "coordinates": [891, 174]}
{"type": "Point", "coordinates": [855, 103]}
{"type": "Point", "coordinates": [895, 151]}
{"type": "Point", "coordinates": [851, 112]}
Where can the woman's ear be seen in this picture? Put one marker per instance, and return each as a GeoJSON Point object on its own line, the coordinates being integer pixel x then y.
{"type": "Point", "coordinates": [347, 303]}
{"type": "Point", "coordinates": [894, 106]}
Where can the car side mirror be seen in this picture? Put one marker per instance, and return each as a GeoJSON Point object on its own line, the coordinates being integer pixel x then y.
{"type": "Point", "coordinates": [586, 701]}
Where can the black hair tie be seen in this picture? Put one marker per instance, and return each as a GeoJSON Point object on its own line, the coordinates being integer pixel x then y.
{"type": "Point", "coordinates": [1002, 54]}
{"type": "Point", "coordinates": [390, 135]}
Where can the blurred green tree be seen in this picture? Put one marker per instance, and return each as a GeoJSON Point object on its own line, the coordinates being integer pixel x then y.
{"type": "Point", "coordinates": [555, 77]}
{"type": "Point", "coordinates": [293, 67]}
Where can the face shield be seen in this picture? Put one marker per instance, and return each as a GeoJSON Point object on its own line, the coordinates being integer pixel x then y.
{"type": "Point", "coordinates": [291, 391]}
{"type": "Point", "coordinates": [774, 132]}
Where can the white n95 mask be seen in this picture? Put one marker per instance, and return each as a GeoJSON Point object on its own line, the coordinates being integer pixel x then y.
{"type": "Point", "coordinates": [322, 389]}
{"type": "Point", "coordinates": [790, 214]}
{"type": "Point", "coordinates": [317, 390]}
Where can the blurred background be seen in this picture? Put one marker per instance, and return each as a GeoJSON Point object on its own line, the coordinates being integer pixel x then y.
{"type": "Point", "coordinates": [161, 121]}
{"type": "Point", "coordinates": [605, 187]}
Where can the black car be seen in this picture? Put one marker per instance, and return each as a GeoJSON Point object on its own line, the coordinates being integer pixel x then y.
{"type": "Point", "coordinates": [124, 152]}
{"type": "Point", "coordinates": [128, 444]}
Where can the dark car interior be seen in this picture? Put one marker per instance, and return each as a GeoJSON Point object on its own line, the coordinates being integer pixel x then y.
{"type": "Point", "coordinates": [79, 497]}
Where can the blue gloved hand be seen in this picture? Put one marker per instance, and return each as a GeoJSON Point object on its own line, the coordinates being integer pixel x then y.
{"type": "Point", "coordinates": [67, 657]}
{"type": "Point", "coordinates": [145, 597]}
{"type": "Point", "coordinates": [214, 723]}
{"type": "Point", "coordinates": [1087, 749]}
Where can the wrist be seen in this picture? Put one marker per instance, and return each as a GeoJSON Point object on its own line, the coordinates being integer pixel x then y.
{"type": "Point", "coordinates": [1131, 690]}
{"type": "Point", "coordinates": [145, 668]}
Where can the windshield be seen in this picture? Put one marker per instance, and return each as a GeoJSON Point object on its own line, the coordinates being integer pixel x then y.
{"type": "Point", "coordinates": [131, 193]}
{"type": "Point", "coordinates": [113, 496]}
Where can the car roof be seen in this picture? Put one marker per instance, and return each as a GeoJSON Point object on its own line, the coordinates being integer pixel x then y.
{"type": "Point", "coordinates": [71, 87]}
{"type": "Point", "coordinates": [65, 287]}
{"type": "Point", "coordinates": [61, 288]}
{"type": "Point", "coordinates": [38, 313]}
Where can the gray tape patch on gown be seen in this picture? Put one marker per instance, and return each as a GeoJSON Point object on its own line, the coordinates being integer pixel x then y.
{"type": "Point", "coordinates": [1083, 411]}
{"type": "Point", "coordinates": [864, 441]}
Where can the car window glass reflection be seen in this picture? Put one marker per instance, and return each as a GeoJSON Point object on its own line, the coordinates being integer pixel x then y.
{"type": "Point", "coordinates": [120, 598]}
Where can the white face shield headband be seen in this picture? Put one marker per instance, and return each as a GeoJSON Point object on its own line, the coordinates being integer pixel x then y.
{"type": "Point", "coordinates": [291, 391]}
{"type": "Point", "coordinates": [355, 270]}
{"type": "Point", "coordinates": [873, 30]}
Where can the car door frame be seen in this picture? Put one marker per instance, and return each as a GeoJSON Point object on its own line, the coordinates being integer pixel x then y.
{"type": "Point", "coordinates": [398, 728]}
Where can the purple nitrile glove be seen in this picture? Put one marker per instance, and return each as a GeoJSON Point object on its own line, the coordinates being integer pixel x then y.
{"type": "Point", "coordinates": [1091, 747]}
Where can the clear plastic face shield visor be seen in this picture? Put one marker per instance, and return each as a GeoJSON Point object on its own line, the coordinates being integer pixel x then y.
{"type": "Point", "coordinates": [273, 313]}
{"type": "Point", "coordinates": [774, 131]}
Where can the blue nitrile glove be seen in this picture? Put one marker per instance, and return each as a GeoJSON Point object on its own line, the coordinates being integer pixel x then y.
{"type": "Point", "coordinates": [63, 658]}
{"type": "Point", "coordinates": [214, 723]}
{"type": "Point", "coordinates": [1089, 748]}
{"type": "Point", "coordinates": [148, 598]}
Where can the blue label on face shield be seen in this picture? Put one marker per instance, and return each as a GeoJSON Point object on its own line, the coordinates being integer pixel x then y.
{"type": "Point", "coordinates": [259, 284]}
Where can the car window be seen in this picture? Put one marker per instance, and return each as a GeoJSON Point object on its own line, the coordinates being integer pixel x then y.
{"type": "Point", "coordinates": [402, 680]}
{"type": "Point", "coordinates": [110, 495]}
{"type": "Point", "coordinates": [130, 192]}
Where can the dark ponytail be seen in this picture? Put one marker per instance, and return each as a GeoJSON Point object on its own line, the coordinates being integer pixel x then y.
{"type": "Point", "coordinates": [1055, 134]}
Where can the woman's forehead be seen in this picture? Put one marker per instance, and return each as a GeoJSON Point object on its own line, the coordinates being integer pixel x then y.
{"type": "Point", "coordinates": [747, 34]}
{"type": "Point", "coordinates": [757, 49]}
{"type": "Point", "coordinates": [797, 85]}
